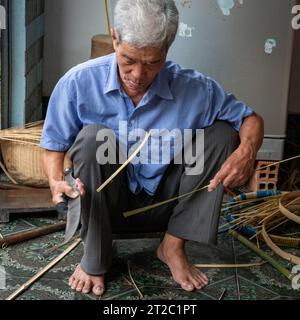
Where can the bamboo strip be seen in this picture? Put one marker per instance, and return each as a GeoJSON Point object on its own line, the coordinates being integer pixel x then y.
{"type": "Point", "coordinates": [278, 162]}
{"type": "Point", "coordinates": [125, 164]}
{"type": "Point", "coordinates": [287, 212]}
{"type": "Point", "coordinates": [20, 141]}
{"type": "Point", "coordinates": [285, 241]}
{"type": "Point", "coordinates": [223, 294]}
{"type": "Point", "coordinates": [137, 211]}
{"type": "Point", "coordinates": [287, 256]}
{"type": "Point", "coordinates": [7, 174]}
{"type": "Point", "coordinates": [43, 271]}
{"type": "Point", "coordinates": [225, 266]}
{"type": "Point", "coordinates": [133, 282]}
{"type": "Point", "coordinates": [278, 266]}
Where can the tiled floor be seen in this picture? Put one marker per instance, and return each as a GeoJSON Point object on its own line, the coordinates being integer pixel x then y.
{"type": "Point", "coordinates": [22, 261]}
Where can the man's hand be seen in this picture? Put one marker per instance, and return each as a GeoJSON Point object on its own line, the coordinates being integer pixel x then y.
{"type": "Point", "coordinates": [236, 170]}
{"type": "Point", "coordinates": [53, 164]}
{"type": "Point", "coordinates": [59, 188]}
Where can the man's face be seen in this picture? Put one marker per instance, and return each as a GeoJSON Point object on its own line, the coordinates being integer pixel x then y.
{"type": "Point", "coordinates": [138, 67]}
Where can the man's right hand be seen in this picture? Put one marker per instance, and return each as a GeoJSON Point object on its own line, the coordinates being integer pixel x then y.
{"type": "Point", "coordinates": [60, 188]}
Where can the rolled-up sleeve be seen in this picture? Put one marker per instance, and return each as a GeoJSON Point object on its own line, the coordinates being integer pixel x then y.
{"type": "Point", "coordinates": [225, 107]}
{"type": "Point", "coordinates": [62, 123]}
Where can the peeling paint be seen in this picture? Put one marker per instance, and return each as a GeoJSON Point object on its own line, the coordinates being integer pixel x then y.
{"type": "Point", "coordinates": [186, 3]}
{"type": "Point", "coordinates": [185, 31]}
{"type": "Point", "coordinates": [269, 45]}
{"type": "Point", "coordinates": [227, 5]}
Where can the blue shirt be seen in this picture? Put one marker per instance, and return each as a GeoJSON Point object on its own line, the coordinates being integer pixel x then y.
{"type": "Point", "coordinates": [178, 98]}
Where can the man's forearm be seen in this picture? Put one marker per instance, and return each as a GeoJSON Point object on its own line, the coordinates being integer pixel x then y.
{"type": "Point", "coordinates": [53, 163]}
{"type": "Point", "coordinates": [252, 134]}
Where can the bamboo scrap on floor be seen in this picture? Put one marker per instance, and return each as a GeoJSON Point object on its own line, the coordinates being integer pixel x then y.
{"type": "Point", "coordinates": [133, 282]}
{"type": "Point", "coordinates": [223, 294]}
{"type": "Point", "coordinates": [233, 265]}
{"type": "Point", "coordinates": [31, 281]}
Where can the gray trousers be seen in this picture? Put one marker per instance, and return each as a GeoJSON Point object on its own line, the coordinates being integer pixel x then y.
{"type": "Point", "coordinates": [194, 217]}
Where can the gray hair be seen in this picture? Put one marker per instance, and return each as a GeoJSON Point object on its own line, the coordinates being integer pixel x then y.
{"type": "Point", "coordinates": [146, 23]}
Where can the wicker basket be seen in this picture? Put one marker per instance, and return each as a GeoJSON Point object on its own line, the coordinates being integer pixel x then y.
{"type": "Point", "coordinates": [23, 162]}
{"type": "Point", "coordinates": [22, 155]}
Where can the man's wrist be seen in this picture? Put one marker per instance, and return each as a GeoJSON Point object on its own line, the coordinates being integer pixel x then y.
{"type": "Point", "coordinates": [248, 149]}
{"type": "Point", "coordinates": [54, 181]}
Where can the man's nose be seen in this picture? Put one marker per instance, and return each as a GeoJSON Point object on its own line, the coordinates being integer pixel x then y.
{"type": "Point", "coordinates": [138, 72]}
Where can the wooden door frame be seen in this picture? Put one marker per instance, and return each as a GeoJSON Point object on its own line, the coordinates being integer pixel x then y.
{"type": "Point", "coordinates": [5, 63]}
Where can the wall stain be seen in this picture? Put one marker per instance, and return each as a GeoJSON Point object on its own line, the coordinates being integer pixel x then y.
{"type": "Point", "coordinates": [185, 31]}
{"type": "Point", "coordinates": [270, 44]}
{"type": "Point", "coordinates": [227, 5]}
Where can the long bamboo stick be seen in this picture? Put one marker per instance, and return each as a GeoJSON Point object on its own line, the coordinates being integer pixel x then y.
{"type": "Point", "coordinates": [109, 180]}
{"type": "Point", "coordinates": [278, 266]}
{"type": "Point", "coordinates": [26, 285]}
{"type": "Point", "coordinates": [234, 265]}
{"type": "Point", "coordinates": [137, 211]}
{"type": "Point", "coordinates": [278, 162]}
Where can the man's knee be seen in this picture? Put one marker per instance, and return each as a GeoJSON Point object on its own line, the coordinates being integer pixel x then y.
{"type": "Point", "coordinates": [89, 133]}
{"type": "Point", "coordinates": [88, 140]}
{"type": "Point", "coordinates": [223, 134]}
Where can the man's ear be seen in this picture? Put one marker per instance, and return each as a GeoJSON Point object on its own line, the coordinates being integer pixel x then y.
{"type": "Point", "coordinates": [114, 38]}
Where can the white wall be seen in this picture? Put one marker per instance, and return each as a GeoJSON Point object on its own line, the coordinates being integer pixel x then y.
{"type": "Point", "coordinates": [69, 27]}
{"type": "Point", "coordinates": [231, 49]}
{"type": "Point", "coordinates": [294, 101]}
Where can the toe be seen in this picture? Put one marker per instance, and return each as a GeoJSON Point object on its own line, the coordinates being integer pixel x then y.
{"type": "Point", "coordinates": [197, 282]}
{"type": "Point", "coordinates": [87, 287]}
{"type": "Point", "coordinates": [71, 280]}
{"type": "Point", "coordinates": [203, 278]}
{"type": "Point", "coordinates": [80, 286]}
{"type": "Point", "coordinates": [98, 290]}
{"type": "Point", "coordinates": [74, 284]}
{"type": "Point", "coordinates": [187, 286]}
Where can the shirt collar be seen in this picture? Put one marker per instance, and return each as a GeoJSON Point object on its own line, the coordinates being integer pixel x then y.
{"type": "Point", "coordinates": [112, 82]}
{"type": "Point", "coordinates": [160, 85]}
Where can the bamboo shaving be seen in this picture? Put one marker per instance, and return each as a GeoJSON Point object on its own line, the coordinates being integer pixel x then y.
{"type": "Point", "coordinates": [133, 282]}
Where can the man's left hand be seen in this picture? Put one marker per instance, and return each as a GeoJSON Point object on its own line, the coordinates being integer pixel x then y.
{"type": "Point", "coordinates": [236, 170]}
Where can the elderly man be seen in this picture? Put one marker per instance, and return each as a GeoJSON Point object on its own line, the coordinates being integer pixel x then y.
{"type": "Point", "coordinates": [136, 86]}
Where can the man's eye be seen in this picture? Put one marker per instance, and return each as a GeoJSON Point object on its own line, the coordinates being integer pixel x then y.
{"type": "Point", "coordinates": [155, 63]}
{"type": "Point", "coordinates": [129, 61]}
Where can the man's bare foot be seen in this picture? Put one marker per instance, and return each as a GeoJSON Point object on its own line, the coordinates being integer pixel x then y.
{"type": "Point", "coordinates": [85, 283]}
{"type": "Point", "coordinates": [171, 252]}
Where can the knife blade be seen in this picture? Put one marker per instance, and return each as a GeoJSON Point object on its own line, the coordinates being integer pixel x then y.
{"type": "Point", "coordinates": [74, 207]}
